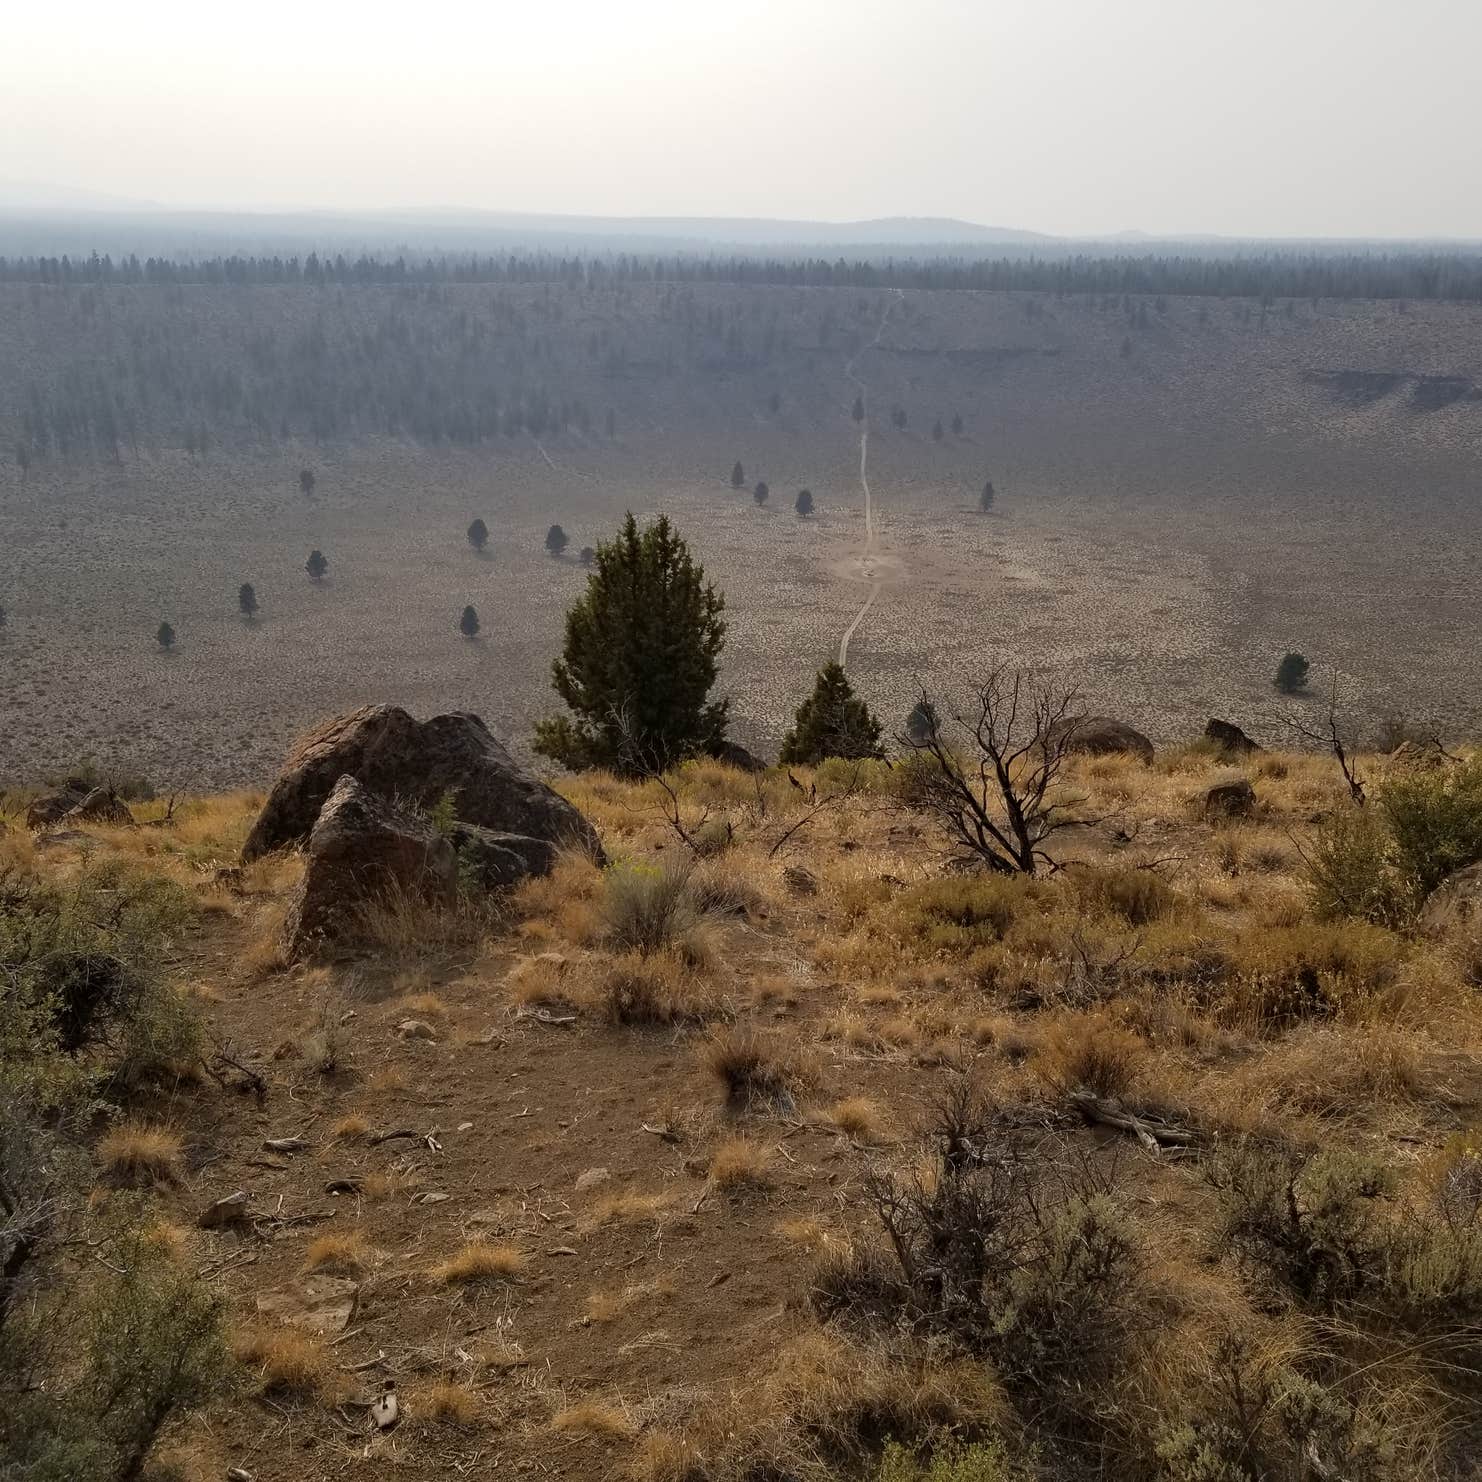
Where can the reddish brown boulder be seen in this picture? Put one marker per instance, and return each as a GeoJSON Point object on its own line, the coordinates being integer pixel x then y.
{"type": "Point", "coordinates": [419, 763]}
{"type": "Point", "coordinates": [1100, 735]}
{"type": "Point", "coordinates": [365, 849]}
{"type": "Point", "coordinates": [1229, 738]}
{"type": "Point", "coordinates": [1230, 800]}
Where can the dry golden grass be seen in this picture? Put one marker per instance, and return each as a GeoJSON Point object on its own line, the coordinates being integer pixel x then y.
{"type": "Point", "coordinates": [349, 1128]}
{"type": "Point", "coordinates": [593, 1418]}
{"type": "Point", "coordinates": [1089, 1051]}
{"type": "Point", "coordinates": [657, 990]}
{"type": "Point", "coordinates": [424, 1005]}
{"type": "Point", "coordinates": [756, 1072]}
{"type": "Point", "coordinates": [857, 1117]}
{"type": "Point", "coordinates": [629, 1205]}
{"type": "Point", "coordinates": [337, 1254]}
{"type": "Point", "coordinates": [543, 980]}
{"type": "Point", "coordinates": [663, 1456]}
{"type": "Point", "coordinates": [448, 1403]}
{"type": "Point", "coordinates": [289, 1364]}
{"type": "Point", "coordinates": [741, 1163]}
{"type": "Point", "coordinates": [480, 1261]}
{"type": "Point", "coordinates": [807, 1233]}
{"type": "Point", "coordinates": [136, 1152]}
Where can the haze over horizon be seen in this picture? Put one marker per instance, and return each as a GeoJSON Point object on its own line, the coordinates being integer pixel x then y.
{"type": "Point", "coordinates": [1089, 120]}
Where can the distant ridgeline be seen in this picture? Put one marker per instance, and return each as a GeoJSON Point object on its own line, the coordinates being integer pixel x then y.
{"type": "Point", "coordinates": [1214, 270]}
{"type": "Point", "coordinates": [106, 356]}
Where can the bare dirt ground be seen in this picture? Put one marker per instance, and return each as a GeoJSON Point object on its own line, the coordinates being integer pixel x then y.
{"type": "Point", "coordinates": [1170, 520]}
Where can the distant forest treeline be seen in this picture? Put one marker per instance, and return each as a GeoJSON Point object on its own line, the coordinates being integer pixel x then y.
{"type": "Point", "coordinates": [1265, 275]}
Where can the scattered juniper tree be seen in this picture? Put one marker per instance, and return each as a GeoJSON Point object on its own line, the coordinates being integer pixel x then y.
{"type": "Point", "coordinates": [165, 636]}
{"type": "Point", "coordinates": [937, 431]}
{"type": "Point", "coordinates": [306, 480]}
{"type": "Point", "coordinates": [23, 458]}
{"type": "Point", "coordinates": [899, 418]}
{"type": "Point", "coordinates": [588, 555]}
{"type": "Point", "coordinates": [478, 535]}
{"type": "Point", "coordinates": [922, 722]}
{"type": "Point", "coordinates": [985, 499]}
{"type": "Point", "coordinates": [738, 475]}
{"type": "Point", "coordinates": [1291, 673]}
{"type": "Point", "coordinates": [832, 721]}
{"type": "Point", "coordinates": [247, 601]}
{"type": "Point", "coordinates": [957, 424]}
{"type": "Point", "coordinates": [2, 617]}
{"type": "Point", "coordinates": [316, 565]}
{"type": "Point", "coordinates": [760, 493]}
{"type": "Point", "coordinates": [556, 540]}
{"type": "Point", "coordinates": [859, 409]}
{"type": "Point", "coordinates": [468, 624]}
{"type": "Point", "coordinates": [804, 503]}
{"type": "Point", "coordinates": [638, 661]}
{"type": "Point", "coordinates": [774, 403]}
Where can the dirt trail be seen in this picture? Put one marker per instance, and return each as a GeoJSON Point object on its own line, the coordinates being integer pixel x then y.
{"type": "Point", "coordinates": [867, 557]}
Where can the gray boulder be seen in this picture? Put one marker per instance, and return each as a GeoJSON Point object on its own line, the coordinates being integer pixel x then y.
{"type": "Point", "coordinates": [495, 860]}
{"type": "Point", "coordinates": [419, 763]}
{"type": "Point", "coordinates": [364, 849]}
{"type": "Point", "coordinates": [1454, 907]}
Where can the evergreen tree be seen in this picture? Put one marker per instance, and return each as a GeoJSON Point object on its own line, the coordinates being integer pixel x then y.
{"type": "Point", "coordinates": [922, 723]}
{"type": "Point", "coordinates": [1291, 673]}
{"type": "Point", "coordinates": [937, 432]}
{"type": "Point", "coordinates": [165, 636]}
{"type": "Point", "coordinates": [611, 423]}
{"type": "Point", "coordinates": [985, 499]}
{"type": "Point", "coordinates": [832, 721]}
{"type": "Point", "coordinates": [859, 409]}
{"type": "Point", "coordinates": [588, 555]}
{"type": "Point", "coordinates": [760, 493]}
{"type": "Point", "coordinates": [468, 624]}
{"type": "Point", "coordinates": [247, 601]}
{"type": "Point", "coordinates": [556, 540]}
{"type": "Point", "coordinates": [306, 480]}
{"type": "Point", "coordinates": [957, 424]}
{"type": "Point", "coordinates": [738, 477]}
{"type": "Point", "coordinates": [638, 660]}
{"type": "Point", "coordinates": [316, 565]}
{"type": "Point", "coordinates": [804, 503]}
{"type": "Point", "coordinates": [478, 535]}
{"type": "Point", "coordinates": [2, 617]}
{"type": "Point", "coordinates": [774, 403]}
{"type": "Point", "coordinates": [898, 416]}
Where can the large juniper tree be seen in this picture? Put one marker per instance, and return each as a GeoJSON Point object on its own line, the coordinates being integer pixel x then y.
{"type": "Point", "coordinates": [638, 662]}
{"type": "Point", "coordinates": [832, 721]}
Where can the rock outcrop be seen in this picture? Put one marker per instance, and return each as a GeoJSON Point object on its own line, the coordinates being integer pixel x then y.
{"type": "Point", "coordinates": [364, 849]}
{"type": "Point", "coordinates": [417, 762]}
{"type": "Point", "coordinates": [1454, 907]}
{"type": "Point", "coordinates": [1100, 735]}
{"type": "Point", "coordinates": [1229, 738]}
{"type": "Point", "coordinates": [78, 801]}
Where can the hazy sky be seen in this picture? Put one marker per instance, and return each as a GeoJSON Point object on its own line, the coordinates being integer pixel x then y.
{"type": "Point", "coordinates": [1304, 117]}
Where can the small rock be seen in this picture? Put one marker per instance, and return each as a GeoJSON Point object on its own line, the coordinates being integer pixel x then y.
{"type": "Point", "coordinates": [415, 1029]}
{"type": "Point", "coordinates": [231, 1209]}
{"type": "Point", "coordinates": [1100, 735]}
{"type": "Point", "coordinates": [1230, 800]}
{"type": "Point", "coordinates": [591, 1178]}
{"type": "Point", "coordinates": [800, 881]}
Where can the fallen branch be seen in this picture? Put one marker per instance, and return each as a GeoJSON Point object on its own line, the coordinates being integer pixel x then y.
{"type": "Point", "coordinates": [1154, 1134]}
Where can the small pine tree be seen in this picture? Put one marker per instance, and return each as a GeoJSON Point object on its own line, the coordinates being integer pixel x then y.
{"type": "Point", "coordinates": [859, 409]}
{"type": "Point", "coordinates": [738, 475]}
{"type": "Point", "coordinates": [1291, 673]}
{"type": "Point", "coordinates": [898, 416]}
{"type": "Point", "coordinates": [937, 431]}
{"type": "Point", "coordinates": [922, 723]}
{"type": "Point", "coordinates": [306, 481]}
{"type": "Point", "coordinates": [760, 493]}
{"type": "Point", "coordinates": [832, 721]}
{"type": "Point", "coordinates": [804, 503]}
{"type": "Point", "coordinates": [165, 636]}
{"type": "Point", "coordinates": [957, 424]}
{"type": "Point", "coordinates": [638, 660]}
{"type": "Point", "coordinates": [774, 403]}
{"type": "Point", "coordinates": [247, 601]}
{"type": "Point", "coordinates": [588, 555]}
{"type": "Point", "coordinates": [556, 540]}
{"type": "Point", "coordinates": [985, 499]}
{"type": "Point", "coordinates": [468, 624]}
{"type": "Point", "coordinates": [316, 565]}
{"type": "Point", "coordinates": [478, 535]}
